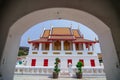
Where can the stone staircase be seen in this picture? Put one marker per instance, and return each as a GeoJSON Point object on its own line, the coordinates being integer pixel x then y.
{"type": "Point", "coordinates": [65, 74]}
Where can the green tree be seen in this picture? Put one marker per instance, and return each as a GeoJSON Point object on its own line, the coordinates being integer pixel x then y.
{"type": "Point", "coordinates": [79, 67]}
{"type": "Point", "coordinates": [22, 53]}
{"type": "Point", "coordinates": [56, 68]}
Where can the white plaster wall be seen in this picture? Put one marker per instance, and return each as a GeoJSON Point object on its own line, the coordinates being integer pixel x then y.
{"type": "Point", "coordinates": [109, 56]}
{"type": "Point", "coordinates": [23, 24]}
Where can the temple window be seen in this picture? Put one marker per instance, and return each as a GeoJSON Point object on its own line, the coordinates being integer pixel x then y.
{"type": "Point", "coordinates": [90, 53]}
{"type": "Point", "coordinates": [57, 45]}
{"type": "Point", "coordinates": [45, 46]}
{"type": "Point", "coordinates": [44, 52]}
{"type": "Point", "coordinates": [68, 52]}
{"type": "Point", "coordinates": [79, 52]}
{"type": "Point", "coordinates": [35, 46]}
{"type": "Point", "coordinates": [34, 53]}
{"type": "Point", "coordinates": [56, 52]}
{"type": "Point", "coordinates": [67, 45]}
{"type": "Point", "coordinates": [79, 46]}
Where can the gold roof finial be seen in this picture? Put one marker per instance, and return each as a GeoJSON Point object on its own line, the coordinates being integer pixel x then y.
{"type": "Point", "coordinates": [51, 25]}
{"type": "Point", "coordinates": [71, 25]}
{"type": "Point", "coordinates": [28, 38]}
{"type": "Point", "coordinates": [78, 26]}
{"type": "Point", "coordinates": [82, 35]}
{"type": "Point", "coordinates": [95, 39]}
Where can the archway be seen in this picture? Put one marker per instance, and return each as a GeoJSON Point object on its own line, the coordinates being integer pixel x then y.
{"type": "Point", "coordinates": [18, 28]}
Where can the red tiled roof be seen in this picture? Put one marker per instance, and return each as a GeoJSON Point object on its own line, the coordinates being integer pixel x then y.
{"type": "Point", "coordinates": [41, 40]}
{"type": "Point", "coordinates": [61, 31]}
{"type": "Point", "coordinates": [81, 40]}
{"type": "Point", "coordinates": [46, 33]}
{"type": "Point", "coordinates": [65, 37]}
{"type": "Point", "coordinates": [76, 33]}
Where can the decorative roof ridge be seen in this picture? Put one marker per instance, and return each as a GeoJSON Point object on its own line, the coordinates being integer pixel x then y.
{"type": "Point", "coordinates": [43, 37]}
{"type": "Point", "coordinates": [60, 27]}
{"type": "Point", "coordinates": [79, 37]}
{"type": "Point", "coordinates": [61, 35]}
{"type": "Point", "coordinates": [46, 29]}
{"type": "Point", "coordinates": [74, 29]}
{"type": "Point", "coordinates": [61, 39]}
{"type": "Point", "coordinates": [96, 41]}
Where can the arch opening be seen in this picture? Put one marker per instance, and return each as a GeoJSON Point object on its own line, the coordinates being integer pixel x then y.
{"type": "Point", "coordinates": [44, 51]}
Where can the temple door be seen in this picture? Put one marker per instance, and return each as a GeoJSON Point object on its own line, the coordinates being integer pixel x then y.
{"type": "Point", "coordinates": [33, 63]}
{"type": "Point", "coordinates": [69, 61]}
{"type": "Point", "coordinates": [92, 61]}
{"type": "Point", "coordinates": [45, 62]}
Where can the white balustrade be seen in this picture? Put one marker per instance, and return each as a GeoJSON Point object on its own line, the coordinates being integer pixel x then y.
{"type": "Point", "coordinates": [33, 70]}
{"type": "Point", "coordinates": [87, 71]}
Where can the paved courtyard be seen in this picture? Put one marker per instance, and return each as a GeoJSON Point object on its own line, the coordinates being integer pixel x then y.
{"type": "Point", "coordinates": [42, 77]}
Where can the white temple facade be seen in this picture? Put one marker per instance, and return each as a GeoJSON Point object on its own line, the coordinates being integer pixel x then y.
{"type": "Point", "coordinates": [65, 43]}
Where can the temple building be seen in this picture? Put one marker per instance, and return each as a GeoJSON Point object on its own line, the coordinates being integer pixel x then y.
{"type": "Point", "coordinates": [65, 43]}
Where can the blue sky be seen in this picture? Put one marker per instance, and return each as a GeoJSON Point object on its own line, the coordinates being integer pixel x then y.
{"type": "Point", "coordinates": [35, 31]}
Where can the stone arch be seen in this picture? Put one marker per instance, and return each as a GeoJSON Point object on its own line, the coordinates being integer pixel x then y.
{"type": "Point", "coordinates": [24, 23]}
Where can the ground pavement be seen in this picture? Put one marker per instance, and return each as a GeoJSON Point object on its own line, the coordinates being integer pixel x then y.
{"type": "Point", "coordinates": [42, 77]}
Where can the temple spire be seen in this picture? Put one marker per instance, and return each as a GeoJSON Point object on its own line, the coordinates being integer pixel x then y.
{"type": "Point", "coordinates": [50, 29]}
{"type": "Point", "coordinates": [28, 38]}
{"type": "Point", "coordinates": [80, 31]}
{"type": "Point", "coordinates": [78, 27]}
{"type": "Point", "coordinates": [82, 36]}
{"type": "Point", "coordinates": [95, 39]}
{"type": "Point", "coordinates": [42, 31]}
{"type": "Point", "coordinates": [71, 25]}
{"type": "Point", "coordinates": [51, 25]}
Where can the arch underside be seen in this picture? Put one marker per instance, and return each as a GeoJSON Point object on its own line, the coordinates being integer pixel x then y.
{"type": "Point", "coordinates": [24, 23]}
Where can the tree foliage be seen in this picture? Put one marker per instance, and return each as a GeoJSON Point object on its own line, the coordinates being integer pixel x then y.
{"type": "Point", "coordinates": [56, 68]}
{"type": "Point", "coordinates": [79, 66]}
{"type": "Point", "coordinates": [22, 53]}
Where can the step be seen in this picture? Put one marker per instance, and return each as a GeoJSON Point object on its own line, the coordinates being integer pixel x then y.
{"type": "Point", "coordinates": [65, 74]}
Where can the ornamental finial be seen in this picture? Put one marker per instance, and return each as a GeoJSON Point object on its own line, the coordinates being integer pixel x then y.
{"type": "Point", "coordinates": [71, 25]}
{"type": "Point", "coordinates": [78, 26]}
{"type": "Point", "coordinates": [28, 38]}
{"type": "Point", "coordinates": [95, 39]}
{"type": "Point", "coordinates": [51, 25]}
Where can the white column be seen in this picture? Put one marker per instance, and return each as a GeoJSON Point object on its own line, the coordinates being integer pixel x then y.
{"type": "Point", "coordinates": [50, 49]}
{"type": "Point", "coordinates": [84, 49]}
{"type": "Point", "coordinates": [62, 45]}
{"type": "Point", "coordinates": [91, 48]}
{"type": "Point", "coordinates": [40, 47]}
{"type": "Point", "coordinates": [94, 50]}
{"type": "Point", "coordinates": [74, 49]}
{"type": "Point", "coordinates": [30, 49]}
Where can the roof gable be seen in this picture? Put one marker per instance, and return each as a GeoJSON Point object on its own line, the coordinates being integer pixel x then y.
{"type": "Point", "coordinates": [61, 31]}
{"type": "Point", "coordinates": [46, 33]}
{"type": "Point", "coordinates": [76, 33]}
